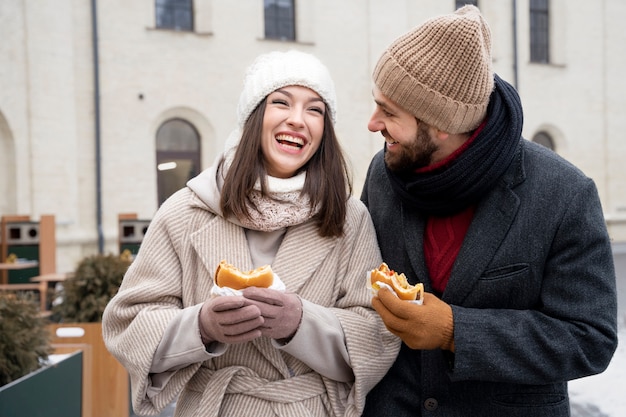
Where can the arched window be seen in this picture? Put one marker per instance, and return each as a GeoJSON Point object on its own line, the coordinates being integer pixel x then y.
{"type": "Point", "coordinates": [543, 138]}
{"type": "Point", "coordinates": [177, 156]}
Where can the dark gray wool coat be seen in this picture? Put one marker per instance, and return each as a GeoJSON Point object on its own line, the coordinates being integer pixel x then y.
{"type": "Point", "coordinates": [532, 292]}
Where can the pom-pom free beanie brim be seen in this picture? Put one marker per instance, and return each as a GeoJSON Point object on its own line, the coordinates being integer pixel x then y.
{"type": "Point", "coordinates": [274, 70]}
{"type": "Point", "coordinates": [441, 71]}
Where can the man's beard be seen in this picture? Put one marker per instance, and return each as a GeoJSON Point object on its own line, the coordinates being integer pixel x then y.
{"type": "Point", "coordinates": [415, 155]}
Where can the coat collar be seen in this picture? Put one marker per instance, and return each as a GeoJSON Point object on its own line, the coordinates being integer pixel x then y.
{"type": "Point", "coordinates": [493, 218]}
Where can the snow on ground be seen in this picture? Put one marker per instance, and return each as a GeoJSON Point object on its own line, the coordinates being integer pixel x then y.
{"type": "Point", "coordinates": [602, 395]}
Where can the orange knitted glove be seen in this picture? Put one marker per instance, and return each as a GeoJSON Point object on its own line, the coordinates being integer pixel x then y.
{"type": "Point", "coordinates": [427, 326]}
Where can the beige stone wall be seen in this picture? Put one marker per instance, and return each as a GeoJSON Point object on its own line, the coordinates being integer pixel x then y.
{"type": "Point", "coordinates": [47, 140]}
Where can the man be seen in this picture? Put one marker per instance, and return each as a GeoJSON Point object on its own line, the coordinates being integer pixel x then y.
{"type": "Point", "coordinates": [508, 238]}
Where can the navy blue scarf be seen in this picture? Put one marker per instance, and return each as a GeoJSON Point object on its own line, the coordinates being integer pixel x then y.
{"type": "Point", "coordinates": [476, 170]}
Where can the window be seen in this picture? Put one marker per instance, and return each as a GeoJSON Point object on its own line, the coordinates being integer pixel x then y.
{"type": "Point", "coordinates": [539, 31]}
{"type": "Point", "coordinates": [174, 14]}
{"type": "Point", "coordinates": [461, 3]}
{"type": "Point", "coordinates": [177, 158]}
{"type": "Point", "coordinates": [543, 138]}
{"type": "Point", "coordinates": [280, 19]}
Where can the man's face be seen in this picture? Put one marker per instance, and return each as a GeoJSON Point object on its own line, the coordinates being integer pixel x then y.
{"type": "Point", "coordinates": [409, 144]}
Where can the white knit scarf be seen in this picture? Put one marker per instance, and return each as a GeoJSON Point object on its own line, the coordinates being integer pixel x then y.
{"type": "Point", "coordinates": [283, 205]}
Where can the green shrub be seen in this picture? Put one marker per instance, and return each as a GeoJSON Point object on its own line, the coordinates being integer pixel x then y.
{"type": "Point", "coordinates": [24, 339]}
{"type": "Point", "coordinates": [85, 294]}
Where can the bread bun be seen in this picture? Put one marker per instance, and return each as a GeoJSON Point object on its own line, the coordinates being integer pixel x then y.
{"type": "Point", "coordinates": [397, 282]}
{"type": "Point", "coordinates": [227, 275]}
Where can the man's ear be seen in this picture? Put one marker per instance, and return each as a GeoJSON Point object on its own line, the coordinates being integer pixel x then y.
{"type": "Point", "coordinates": [440, 134]}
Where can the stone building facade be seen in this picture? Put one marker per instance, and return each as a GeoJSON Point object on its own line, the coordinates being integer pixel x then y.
{"type": "Point", "coordinates": [88, 111]}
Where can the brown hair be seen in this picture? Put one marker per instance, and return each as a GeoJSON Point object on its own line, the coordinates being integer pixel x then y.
{"type": "Point", "coordinates": [328, 183]}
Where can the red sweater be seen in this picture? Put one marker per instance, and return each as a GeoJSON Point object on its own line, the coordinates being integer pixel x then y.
{"type": "Point", "coordinates": [442, 241]}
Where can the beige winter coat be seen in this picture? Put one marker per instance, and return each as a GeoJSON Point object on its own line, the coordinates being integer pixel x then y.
{"type": "Point", "coordinates": [173, 273]}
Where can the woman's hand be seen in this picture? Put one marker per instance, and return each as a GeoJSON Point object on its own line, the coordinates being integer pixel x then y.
{"type": "Point", "coordinates": [229, 319]}
{"type": "Point", "coordinates": [281, 311]}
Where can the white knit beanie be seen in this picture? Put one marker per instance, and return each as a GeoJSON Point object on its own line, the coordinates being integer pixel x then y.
{"type": "Point", "coordinates": [274, 70]}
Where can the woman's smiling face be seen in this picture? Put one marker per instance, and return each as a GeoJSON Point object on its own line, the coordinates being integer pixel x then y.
{"type": "Point", "coordinates": [293, 125]}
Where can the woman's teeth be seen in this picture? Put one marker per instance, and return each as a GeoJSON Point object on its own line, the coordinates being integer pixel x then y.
{"type": "Point", "coordinates": [290, 140]}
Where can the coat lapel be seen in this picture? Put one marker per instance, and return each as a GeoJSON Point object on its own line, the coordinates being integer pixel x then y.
{"type": "Point", "coordinates": [413, 228]}
{"type": "Point", "coordinates": [218, 239]}
{"type": "Point", "coordinates": [300, 254]}
{"type": "Point", "coordinates": [491, 223]}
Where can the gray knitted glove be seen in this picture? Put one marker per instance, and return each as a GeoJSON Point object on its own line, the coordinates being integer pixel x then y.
{"type": "Point", "coordinates": [281, 311]}
{"type": "Point", "coordinates": [229, 319]}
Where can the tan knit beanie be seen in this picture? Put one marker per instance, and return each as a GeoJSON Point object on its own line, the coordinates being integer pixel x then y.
{"type": "Point", "coordinates": [441, 71]}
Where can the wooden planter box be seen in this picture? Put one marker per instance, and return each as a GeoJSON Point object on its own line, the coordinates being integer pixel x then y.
{"type": "Point", "coordinates": [105, 381]}
{"type": "Point", "coordinates": [52, 391]}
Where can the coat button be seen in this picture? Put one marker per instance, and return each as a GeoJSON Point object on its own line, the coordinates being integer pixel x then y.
{"type": "Point", "coordinates": [431, 404]}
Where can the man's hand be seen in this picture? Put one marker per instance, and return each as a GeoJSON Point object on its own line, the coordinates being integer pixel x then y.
{"type": "Point", "coordinates": [427, 326]}
{"type": "Point", "coordinates": [281, 311]}
{"type": "Point", "coordinates": [229, 319]}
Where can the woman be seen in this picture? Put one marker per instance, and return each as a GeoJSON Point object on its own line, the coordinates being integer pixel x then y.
{"type": "Point", "coordinates": [279, 195]}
